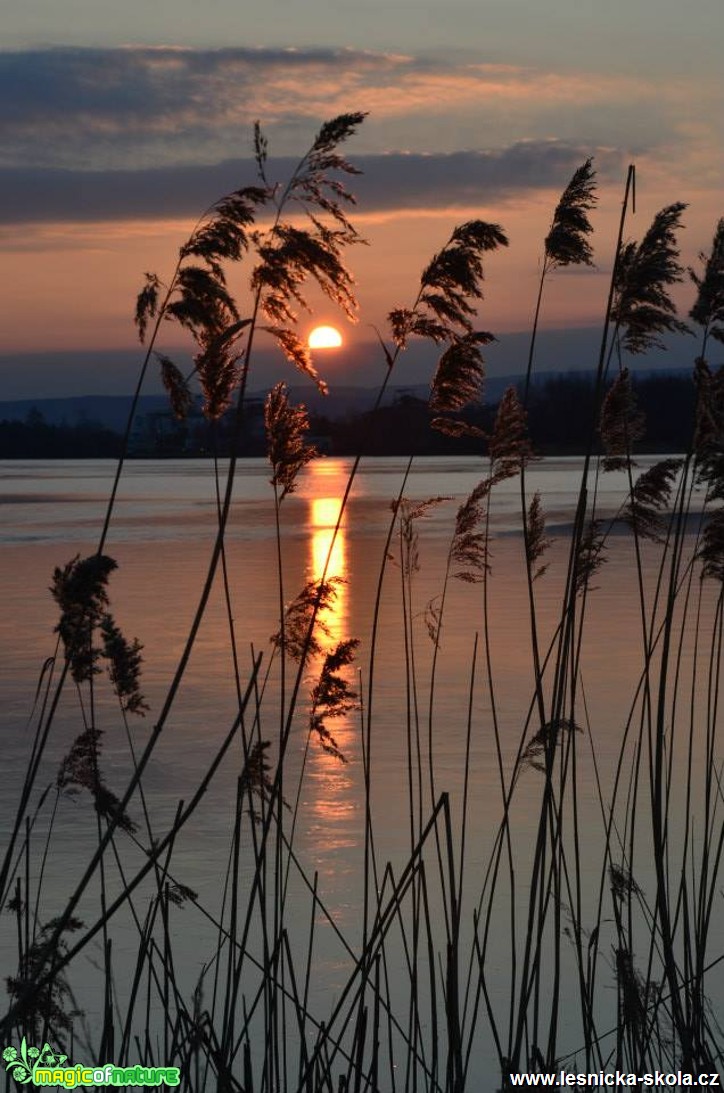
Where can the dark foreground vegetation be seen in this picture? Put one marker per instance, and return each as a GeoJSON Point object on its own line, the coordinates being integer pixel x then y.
{"type": "Point", "coordinates": [612, 962]}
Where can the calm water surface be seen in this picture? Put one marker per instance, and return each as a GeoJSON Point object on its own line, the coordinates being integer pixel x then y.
{"type": "Point", "coordinates": [161, 537]}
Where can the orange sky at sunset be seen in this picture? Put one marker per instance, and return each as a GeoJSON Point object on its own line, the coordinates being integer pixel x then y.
{"type": "Point", "coordinates": [94, 307]}
{"type": "Point", "coordinates": [119, 129]}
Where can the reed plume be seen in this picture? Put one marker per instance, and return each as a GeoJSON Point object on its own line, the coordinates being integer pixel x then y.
{"type": "Point", "coordinates": [206, 308]}
{"type": "Point", "coordinates": [459, 375]}
{"type": "Point", "coordinates": [633, 995]}
{"type": "Point", "coordinates": [455, 427]}
{"type": "Point", "coordinates": [286, 429]}
{"type": "Point", "coordinates": [433, 618]}
{"type": "Point", "coordinates": [297, 352]}
{"type": "Point", "coordinates": [255, 777]}
{"type": "Point", "coordinates": [124, 666]}
{"type": "Point", "coordinates": [298, 637]}
{"type": "Point", "coordinates": [539, 751]}
{"type": "Point", "coordinates": [293, 255]}
{"type": "Point", "coordinates": [287, 256]}
{"type": "Point", "coordinates": [621, 423]}
{"type": "Point", "coordinates": [470, 548]}
{"type": "Point", "coordinates": [177, 386]}
{"type": "Point", "coordinates": [224, 235]}
{"type": "Point", "coordinates": [567, 241]}
{"type": "Point", "coordinates": [509, 446]}
{"type": "Point", "coordinates": [203, 304]}
{"type": "Point", "coordinates": [314, 186]}
{"type": "Point", "coordinates": [147, 304]}
{"type": "Point", "coordinates": [409, 513]}
{"type": "Point", "coordinates": [80, 769]}
{"type": "Point", "coordinates": [566, 244]}
{"type": "Point", "coordinates": [324, 153]}
{"type": "Point", "coordinates": [80, 590]}
{"type": "Point", "coordinates": [650, 497]}
{"type": "Point", "coordinates": [50, 1012]}
{"type": "Point", "coordinates": [454, 278]}
{"type": "Point", "coordinates": [218, 367]}
{"type": "Point", "coordinates": [642, 306]}
{"type": "Point", "coordinates": [711, 551]}
{"type": "Point", "coordinates": [708, 308]}
{"type": "Point", "coordinates": [590, 555]}
{"type": "Point", "coordinates": [537, 542]}
{"type": "Point", "coordinates": [443, 313]}
{"type": "Point", "coordinates": [290, 255]}
{"type": "Point", "coordinates": [709, 429]}
{"type": "Point", "coordinates": [622, 883]}
{"type": "Point", "coordinates": [332, 696]}
{"type": "Point", "coordinates": [199, 300]}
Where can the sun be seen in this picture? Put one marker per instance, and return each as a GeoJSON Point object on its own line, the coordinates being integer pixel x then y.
{"type": "Point", "coordinates": [325, 337]}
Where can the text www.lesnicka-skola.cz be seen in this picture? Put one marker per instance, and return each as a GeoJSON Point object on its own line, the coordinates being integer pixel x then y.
{"type": "Point", "coordinates": [661, 1079]}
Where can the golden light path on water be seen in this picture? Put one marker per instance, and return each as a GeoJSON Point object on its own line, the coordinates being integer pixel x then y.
{"type": "Point", "coordinates": [328, 557]}
{"type": "Point", "coordinates": [329, 550]}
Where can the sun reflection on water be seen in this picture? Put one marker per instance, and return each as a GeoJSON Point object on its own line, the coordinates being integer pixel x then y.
{"type": "Point", "coordinates": [329, 557]}
{"type": "Point", "coordinates": [329, 780]}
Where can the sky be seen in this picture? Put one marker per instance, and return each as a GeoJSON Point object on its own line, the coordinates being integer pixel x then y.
{"type": "Point", "coordinates": [120, 123]}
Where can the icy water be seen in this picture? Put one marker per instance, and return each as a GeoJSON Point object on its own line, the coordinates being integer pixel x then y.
{"type": "Point", "coordinates": [161, 537]}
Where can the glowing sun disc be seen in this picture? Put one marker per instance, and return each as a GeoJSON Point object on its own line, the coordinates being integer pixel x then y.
{"type": "Point", "coordinates": [325, 337]}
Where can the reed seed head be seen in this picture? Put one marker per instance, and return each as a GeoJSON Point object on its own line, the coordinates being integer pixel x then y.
{"type": "Point", "coordinates": [566, 243]}
{"type": "Point", "coordinates": [708, 309]}
{"type": "Point", "coordinates": [644, 273]}
{"type": "Point", "coordinates": [286, 429]}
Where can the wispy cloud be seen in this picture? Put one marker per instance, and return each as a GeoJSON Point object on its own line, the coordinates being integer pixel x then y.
{"type": "Point", "coordinates": [141, 106]}
{"type": "Point", "coordinates": [141, 133]}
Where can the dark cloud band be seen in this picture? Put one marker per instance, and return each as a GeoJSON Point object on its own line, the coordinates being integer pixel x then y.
{"type": "Point", "coordinates": [37, 195]}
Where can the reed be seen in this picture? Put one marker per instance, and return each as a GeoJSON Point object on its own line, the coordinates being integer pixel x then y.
{"type": "Point", "coordinates": [619, 973]}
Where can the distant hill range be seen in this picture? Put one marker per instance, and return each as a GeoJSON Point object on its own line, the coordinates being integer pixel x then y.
{"type": "Point", "coordinates": [111, 411]}
{"type": "Point", "coordinates": [352, 372]}
{"type": "Point", "coordinates": [560, 412]}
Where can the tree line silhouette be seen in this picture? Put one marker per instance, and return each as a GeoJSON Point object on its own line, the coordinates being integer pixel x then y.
{"type": "Point", "coordinates": [560, 410]}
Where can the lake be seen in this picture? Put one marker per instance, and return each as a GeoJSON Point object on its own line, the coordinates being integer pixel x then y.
{"type": "Point", "coordinates": [465, 726]}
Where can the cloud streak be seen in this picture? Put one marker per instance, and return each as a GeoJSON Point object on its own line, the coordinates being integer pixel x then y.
{"type": "Point", "coordinates": [391, 181]}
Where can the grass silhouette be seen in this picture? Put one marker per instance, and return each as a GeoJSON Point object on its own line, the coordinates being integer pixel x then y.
{"type": "Point", "coordinates": [602, 979]}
